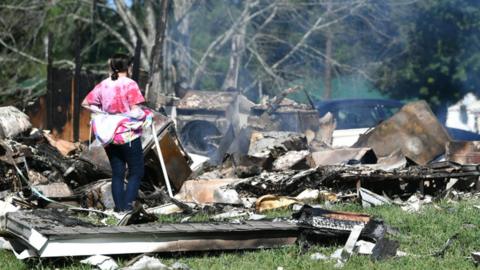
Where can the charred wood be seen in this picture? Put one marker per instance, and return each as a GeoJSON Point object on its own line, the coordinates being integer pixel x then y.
{"type": "Point", "coordinates": [344, 177]}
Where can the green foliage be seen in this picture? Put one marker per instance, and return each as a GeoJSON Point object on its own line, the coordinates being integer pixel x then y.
{"type": "Point", "coordinates": [208, 22]}
{"type": "Point", "coordinates": [420, 50]}
{"type": "Point", "coordinates": [442, 58]}
{"type": "Point", "coordinates": [24, 29]}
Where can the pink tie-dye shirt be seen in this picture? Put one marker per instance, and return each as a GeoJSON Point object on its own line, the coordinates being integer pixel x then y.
{"type": "Point", "coordinates": [115, 96]}
{"type": "Point", "coordinates": [118, 97]}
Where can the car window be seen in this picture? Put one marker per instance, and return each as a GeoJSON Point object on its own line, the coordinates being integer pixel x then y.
{"type": "Point", "coordinates": [350, 116]}
{"type": "Point", "coordinates": [389, 111]}
{"type": "Point", "coordinates": [353, 114]}
{"type": "Point", "coordinates": [357, 117]}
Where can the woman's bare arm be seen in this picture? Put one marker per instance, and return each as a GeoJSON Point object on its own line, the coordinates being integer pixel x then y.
{"type": "Point", "coordinates": [91, 107]}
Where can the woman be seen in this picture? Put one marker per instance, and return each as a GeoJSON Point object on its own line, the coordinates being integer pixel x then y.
{"type": "Point", "coordinates": [117, 122]}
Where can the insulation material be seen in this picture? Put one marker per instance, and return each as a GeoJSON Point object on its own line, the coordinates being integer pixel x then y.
{"type": "Point", "coordinates": [13, 122]}
{"type": "Point", "coordinates": [270, 202]}
{"type": "Point", "coordinates": [202, 191]}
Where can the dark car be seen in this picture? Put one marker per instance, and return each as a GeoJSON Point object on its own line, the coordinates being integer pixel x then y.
{"type": "Point", "coordinates": [462, 135]}
{"type": "Point", "coordinates": [361, 114]}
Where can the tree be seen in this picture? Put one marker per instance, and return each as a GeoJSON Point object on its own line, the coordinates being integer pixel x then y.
{"type": "Point", "coordinates": [213, 45]}
{"type": "Point", "coordinates": [26, 31]}
{"type": "Point", "coordinates": [149, 23]}
{"type": "Point", "coordinates": [441, 57]}
{"type": "Point", "coordinates": [158, 82]}
{"type": "Point", "coordinates": [275, 43]}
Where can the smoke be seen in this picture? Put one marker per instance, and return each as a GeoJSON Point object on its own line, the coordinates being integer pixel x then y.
{"type": "Point", "coordinates": [285, 42]}
{"type": "Point", "coordinates": [400, 49]}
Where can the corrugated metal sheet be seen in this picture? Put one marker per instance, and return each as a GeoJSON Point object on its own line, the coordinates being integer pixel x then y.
{"type": "Point", "coordinates": [414, 130]}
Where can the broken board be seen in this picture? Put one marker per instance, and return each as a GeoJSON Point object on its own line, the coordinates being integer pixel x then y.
{"type": "Point", "coordinates": [47, 237]}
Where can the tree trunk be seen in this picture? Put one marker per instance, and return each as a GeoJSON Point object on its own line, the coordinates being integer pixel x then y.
{"type": "Point", "coordinates": [77, 78]}
{"type": "Point", "coordinates": [181, 48]}
{"type": "Point", "coordinates": [156, 94]}
{"type": "Point", "coordinates": [238, 48]}
{"type": "Point", "coordinates": [327, 94]}
{"type": "Point", "coordinates": [136, 60]}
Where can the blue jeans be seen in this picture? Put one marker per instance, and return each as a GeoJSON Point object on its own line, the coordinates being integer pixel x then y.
{"type": "Point", "coordinates": [121, 156]}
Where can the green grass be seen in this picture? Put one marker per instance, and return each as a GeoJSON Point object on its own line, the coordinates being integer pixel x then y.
{"type": "Point", "coordinates": [419, 234]}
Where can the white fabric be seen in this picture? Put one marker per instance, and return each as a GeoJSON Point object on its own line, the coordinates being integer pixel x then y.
{"type": "Point", "coordinates": [106, 125]}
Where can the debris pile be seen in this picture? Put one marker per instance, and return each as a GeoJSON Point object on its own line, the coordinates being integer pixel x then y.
{"type": "Point", "coordinates": [407, 160]}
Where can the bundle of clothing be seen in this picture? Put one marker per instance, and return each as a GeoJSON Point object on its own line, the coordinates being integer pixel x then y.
{"type": "Point", "coordinates": [120, 128]}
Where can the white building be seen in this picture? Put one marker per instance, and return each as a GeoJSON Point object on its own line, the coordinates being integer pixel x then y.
{"type": "Point", "coordinates": [465, 114]}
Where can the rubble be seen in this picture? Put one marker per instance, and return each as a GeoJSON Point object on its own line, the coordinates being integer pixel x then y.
{"type": "Point", "coordinates": [384, 249]}
{"type": "Point", "coordinates": [13, 122]}
{"type": "Point", "coordinates": [269, 202]}
{"type": "Point", "coordinates": [231, 215]}
{"type": "Point", "coordinates": [318, 256]}
{"type": "Point", "coordinates": [198, 162]}
{"type": "Point", "coordinates": [203, 191]}
{"type": "Point", "coordinates": [55, 190]}
{"type": "Point", "coordinates": [56, 235]}
{"type": "Point", "coordinates": [226, 196]}
{"type": "Point", "coordinates": [203, 117]}
{"type": "Point", "coordinates": [308, 195]}
{"type": "Point", "coordinates": [254, 170]}
{"type": "Point", "coordinates": [333, 222]}
{"type": "Point", "coordinates": [350, 156]}
{"type": "Point", "coordinates": [63, 146]}
{"type": "Point", "coordinates": [415, 203]}
{"type": "Point", "coordinates": [102, 262]}
{"type": "Point", "coordinates": [463, 152]}
{"type": "Point", "coordinates": [476, 257]}
{"type": "Point", "coordinates": [147, 262]}
{"type": "Point", "coordinates": [96, 195]}
{"type": "Point", "coordinates": [349, 245]}
{"type": "Point", "coordinates": [292, 160]}
{"type": "Point", "coordinates": [265, 145]}
{"type": "Point", "coordinates": [414, 130]}
{"type": "Point", "coordinates": [327, 196]}
{"type": "Point", "coordinates": [177, 161]}
{"type": "Point", "coordinates": [364, 247]}
{"type": "Point", "coordinates": [282, 114]}
{"type": "Point", "coordinates": [282, 183]}
{"type": "Point", "coordinates": [464, 114]}
{"type": "Point", "coordinates": [323, 137]}
{"type": "Point", "coordinates": [293, 182]}
{"type": "Point", "coordinates": [165, 209]}
{"type": "Point", "coordinates": [371, 199]}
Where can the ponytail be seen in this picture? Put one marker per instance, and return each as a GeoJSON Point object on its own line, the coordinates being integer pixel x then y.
{"type": "Point", "coordinates": [118, 63]}
{"type": "Point", "coordinates": [114, 75]}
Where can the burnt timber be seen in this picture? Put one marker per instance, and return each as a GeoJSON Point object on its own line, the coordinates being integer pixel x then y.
{"type": "Point", "coordinates": [45, 237]}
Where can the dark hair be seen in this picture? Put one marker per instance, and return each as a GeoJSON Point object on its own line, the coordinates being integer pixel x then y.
{"type": "Point", "coordinates": [119, 62]}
